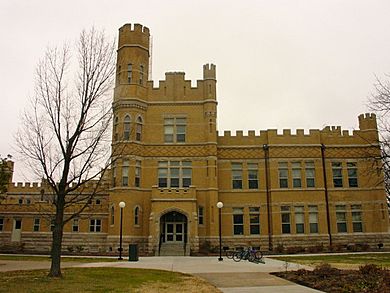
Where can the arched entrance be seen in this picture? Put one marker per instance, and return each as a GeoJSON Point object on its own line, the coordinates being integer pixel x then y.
{"type": "Point", "coordinates": [173, 234]}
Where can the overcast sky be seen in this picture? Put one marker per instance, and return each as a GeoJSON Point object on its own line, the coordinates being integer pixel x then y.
{"type": "Point", "coordinates": [280, 64]}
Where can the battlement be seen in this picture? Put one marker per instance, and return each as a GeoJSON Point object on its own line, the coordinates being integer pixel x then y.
{"type": "Point", "coordinates": [176, 88]}
{"type": "Point", "coordinates": [31, 187]}
{"type": "Point", "coordinates": [367, 121]}
{"type": "Point", "coordinates": [209, 71]}
{"type": "Point", "coordinates": [134, 35]}
{"type": "Point", "coordinates": [328, 135]}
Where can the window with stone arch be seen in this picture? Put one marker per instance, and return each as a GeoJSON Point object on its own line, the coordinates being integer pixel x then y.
{"type": "Point", "coordinates": [138, 129]}
{"type": "Point", "coordinates": [137, 212]}
{"type": "Point", "coordinates": [126, 127]}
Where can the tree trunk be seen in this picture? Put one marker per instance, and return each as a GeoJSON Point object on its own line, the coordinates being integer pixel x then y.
{"type": "Point", "coordinates": [55, 269]}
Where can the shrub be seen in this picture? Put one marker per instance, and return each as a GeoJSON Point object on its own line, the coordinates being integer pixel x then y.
{"type": "Point", "coordinates": [279, 248]}
{"type": "Point", "coordinates": [316, 248]}
{"type": "Point", "coordinates": [325, 271]}
{"type": "Point", "coordinates": [295, 249]}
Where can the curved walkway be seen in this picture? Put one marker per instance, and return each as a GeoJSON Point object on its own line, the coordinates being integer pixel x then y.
{"type": "Point", "coordinates": [226, 275]}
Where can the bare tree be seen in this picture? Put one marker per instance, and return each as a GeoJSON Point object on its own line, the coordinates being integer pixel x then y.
{"type": "Point", "coordinates": [379, 102]}
{"type": "Point", "coordinates": [65, 132]}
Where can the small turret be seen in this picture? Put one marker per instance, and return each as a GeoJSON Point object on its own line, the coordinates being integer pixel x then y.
{"type": "Point", "coordinates": [367, 121]}
{"type": "Point", "coordinates": [209, 71]}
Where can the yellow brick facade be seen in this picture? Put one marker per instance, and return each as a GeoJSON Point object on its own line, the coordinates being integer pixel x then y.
{"type": "Point", "coordinates": [278, 190]}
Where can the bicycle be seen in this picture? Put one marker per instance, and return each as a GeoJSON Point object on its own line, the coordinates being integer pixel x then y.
{"type": "Point", "coordinates": [249, 254]}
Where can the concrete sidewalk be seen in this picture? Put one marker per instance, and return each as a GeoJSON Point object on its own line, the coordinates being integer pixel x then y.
{"type": "Point", "coordinates": [227, 275]}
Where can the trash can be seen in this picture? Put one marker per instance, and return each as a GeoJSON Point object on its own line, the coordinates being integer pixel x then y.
{"type": "Point", "coordinates": [133, 252]}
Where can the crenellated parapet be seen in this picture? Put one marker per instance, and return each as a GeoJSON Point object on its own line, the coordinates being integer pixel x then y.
{"type": "Point", "coordinates": [176, 88]}
{"type": "Point", "coordinates": [330, 135]}
{"type": "Point", "coordinates": [134, 35]}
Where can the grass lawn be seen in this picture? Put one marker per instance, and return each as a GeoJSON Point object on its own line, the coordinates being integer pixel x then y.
{"type": "Point", "coordinates": [341, 260]}
{"type": "Point", "coordinates": [63, 259]}
{"type": "Point", "coordinates": [103, 280]}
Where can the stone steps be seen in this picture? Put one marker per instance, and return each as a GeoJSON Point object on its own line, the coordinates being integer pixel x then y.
{"type": "Point", "coordinates": [170, 249]}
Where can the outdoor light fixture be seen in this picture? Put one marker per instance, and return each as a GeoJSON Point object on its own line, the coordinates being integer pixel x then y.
{"type": "Point", "coordinates": [122, 204]}
{"type": "Point", "coordinates": [220, 206]}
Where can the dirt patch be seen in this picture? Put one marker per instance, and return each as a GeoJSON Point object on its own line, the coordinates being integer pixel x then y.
{"type": "Point", "coordinates": [189, 284]}
{"type": "Point", "coordinates": [367, 279]}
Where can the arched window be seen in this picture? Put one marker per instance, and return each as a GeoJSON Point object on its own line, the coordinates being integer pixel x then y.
{"type": "Point", "coordinates": [126, 127]}
{"type": "Point", "coordinates": [116, 121]}
{"type": "Point", "coordinates": [136, 216]}
{"type": "Point", "coordinates": [112, 212]}
{"type": "Point", "coordinates": [138, 130]}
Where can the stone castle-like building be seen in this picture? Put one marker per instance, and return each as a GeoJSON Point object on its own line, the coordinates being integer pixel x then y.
{"type": "Point", "coordinates": [276, 189]}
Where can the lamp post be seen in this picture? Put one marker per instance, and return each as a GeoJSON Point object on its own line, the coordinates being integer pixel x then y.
{"type": "Point", "coordinates": [122, 204]}
{"type": "Point", "coordinates": [220, 206]}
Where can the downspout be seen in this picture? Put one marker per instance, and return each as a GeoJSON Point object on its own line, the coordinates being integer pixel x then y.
{"type": "Point", "coordinates": [326, 193]}
{"type": "Point", "coordinates": [269, 202]}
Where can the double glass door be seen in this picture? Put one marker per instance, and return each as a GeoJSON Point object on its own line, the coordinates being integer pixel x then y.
{"type": "Point", "coordinates": [174, 232]}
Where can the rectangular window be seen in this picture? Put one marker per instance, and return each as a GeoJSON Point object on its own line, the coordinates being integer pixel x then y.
{"type": "Point", "coordinates": [283, 175]}
{"type": "Point", "coordinates": [200, 215]}
{"type": "Point", "coordinates": [125, 173]}
{"type": "Point", "coordinates": [337, 170]}
{"type": "Point", "coordinates": [75, 225]}
{"type": "Point", "coordinates": [296, 174]}
{"type": "Point", "coordinates": [141, 74]}
{"type": "Point", "coordinates": [1, 224]}
{"type": "Point", "coordinates": [313, 219]}
{"type": "Point", "coordinates": [254, 220]}
{"type": "Point", "coordinates": [37, 223]}
{"type": "Point", "coordinates": [310, 174]}
{"type": "Point", "coordinates": [352, 174]}
{"type": "Point", "coordinates": [341, 219]}
{"type": "Point", "coordinates": [357, 224]}
{"type": "Point", "coordinates": [253, 181]}
{"type": "Point", "coordinates": [299, 219]}
{"type": "Point", "coordinates": [137, 179]}
{"type": "Point", "coordinates": [174, 174]}
{"type": "Point", "coordinates": [237, 175]}
{"type": "Point", "coordinates": [238, 221]}
{"type": "Point", "coordinates": [129, 72]}
{"type": "Point", "coordinates": [175, 129]}
{"type": "Point", "coordinates": [95, 225]}
{"type": "Point", "coordinates": [286, 222]}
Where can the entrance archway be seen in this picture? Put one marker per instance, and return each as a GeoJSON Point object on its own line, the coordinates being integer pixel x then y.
{"type": "Point", "coordinates": [173, 233]}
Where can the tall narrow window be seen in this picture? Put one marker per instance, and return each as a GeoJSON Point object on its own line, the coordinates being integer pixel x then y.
{"type": "Point", "coordinates": [357, 218]}
{"type": "Point", "coordinates": [337, 170]}
{"type": "Point", "coordinates": [112, 215]}
{"type": "Point", "coordinates": [352, 174]}
{"type": "Point", "coordinates": [129, 72]}
{"type": "Point", "coordinates": [254, 219]}
{"type": "Point", "coordinates": [186, 174]}
{"type": "Point", "coordinates": [341, 219]}
{"type": "Point", "coordinates": [299, 220]}
{"type": "Point", "coordinates": [75, 225]}
{"type": "Point", "coordinates": [296, 174]}
{"type": "Point", "coordinates": [126, 127]}
{"type": "Point", "coordinates": [52, 224]}
{"type": "Point", "coordinates": [175, 174]}
{"type": "Point", "coordinates": [137, 179]}
{"type": "Point", "coordinates": [313, 219]}
{"type": "Point", "coordinates": [141, 74]}
{"type": "Point", "coordinates": [283, 175]}
{"type": "Point", "coordinates": [286, 221]}
{"type": "Point", "coordinates": [310, 174]}
{"type": "Point", "coordinates": [136, 216]}
{"type": "Point", "coordinates": [238, 221]}
{"type": "Point", "coordinates": [116, 122]}
{"type": "Point", "coordinates": [162, 174]}
{"type": "Point", "coordinates": [237, 175]}
{"type": "Point", "coordinates": [138, 130]}
{"type": "Point", "coordinates": [37, 223]}
{"type": "Point", "coordinates": [175, 129]}
{"type": "Point", "coordinates": [114, 174]}
{"type": "Point", "coordinates": [253, 181]}
{"type": "Point", "coordinates": [200, 215]}
{"type": "Point", "coordinates": [1, 224]}
{"type": "Point", "coordinates": [118, 75]}
{"type": "Point", "coordinates": [125, 173]}
{"type": "Point", "coordinates": [95, 225]}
